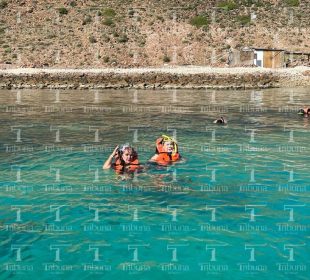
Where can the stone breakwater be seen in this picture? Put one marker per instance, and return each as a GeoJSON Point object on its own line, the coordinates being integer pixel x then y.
{"type": "Point", "coordinates": [148, 79]}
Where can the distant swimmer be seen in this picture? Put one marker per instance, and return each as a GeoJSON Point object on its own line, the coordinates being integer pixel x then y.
{"type": "Point", "coordinates": [221, 120]}
{"type": "Point", "coordinates": [166, 151]}
{"type": "Point", "coordinates": [304, 112]}
{"type": "Point", "coordinates": [125, 160]}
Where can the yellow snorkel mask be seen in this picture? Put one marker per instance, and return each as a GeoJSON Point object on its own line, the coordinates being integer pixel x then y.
{"type": "Point", "coordinates": [170, 139]}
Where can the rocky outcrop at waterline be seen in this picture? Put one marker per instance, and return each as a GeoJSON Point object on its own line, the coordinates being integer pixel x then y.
{"type": "Point", "coordinates": [225, 78]}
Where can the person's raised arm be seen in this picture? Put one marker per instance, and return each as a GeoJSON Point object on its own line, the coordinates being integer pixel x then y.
{"type": "Point", "coordinates": [108, 162]}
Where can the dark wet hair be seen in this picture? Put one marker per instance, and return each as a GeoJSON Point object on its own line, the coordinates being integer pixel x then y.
{"type": "Point", "coordinates": [221, 120]}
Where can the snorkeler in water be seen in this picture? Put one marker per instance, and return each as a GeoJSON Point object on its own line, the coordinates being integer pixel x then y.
{"type": "Point", "coordinates": [305, 112]}
{"type": "Point", "coordinates": [166, 151]}
{"type": "Point", "coordinates": [123, 160]}
{"type": "Point", "coordinates": [220, 120]}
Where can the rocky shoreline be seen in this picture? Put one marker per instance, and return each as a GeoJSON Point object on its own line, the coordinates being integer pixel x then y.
{"type": "Point", "coordinates": [157, 78]}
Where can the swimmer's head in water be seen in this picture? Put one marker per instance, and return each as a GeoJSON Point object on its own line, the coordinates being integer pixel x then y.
{"type": "Point", "coordinates": [168, 146]}
{"type": "Point", "coordinates": [220, 120]}
{"type": "Point", "coordinates": [301, 112]}
{"type": "Point", "coordinates": [127, 153]}
{"type": "Point", "coordinates": [304, 111]}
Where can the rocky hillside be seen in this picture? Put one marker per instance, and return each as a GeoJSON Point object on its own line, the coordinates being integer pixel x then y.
{"type": "Point", "coordinates": [126, 33]}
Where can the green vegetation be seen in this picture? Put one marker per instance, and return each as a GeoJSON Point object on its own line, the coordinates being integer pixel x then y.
{"type": "Point", "coordinates": [199, 21]}
{"type": "Point", "coordinates": [292, 3]}
{"type": "Point", "coordinates": [123, 38]}
{"type": "Point", "coordinates": [109, 13]}
{"type": "Point", "coordinates": [3, 4]}
{"type": "Point", "coordinates": [106, 59]}
{"type": "Point", "coordinates": [108, 21]}
{"type": "Point", "coordinates": [227, 5]}
{"type": "Point", "coordinates": [72, 3]}
{"type": "Point", "coordinates": [63, 11]}
{"type": "Point", "coordinates": [244, 20]}
{"type": "Point", "coordinates": [166, 59]}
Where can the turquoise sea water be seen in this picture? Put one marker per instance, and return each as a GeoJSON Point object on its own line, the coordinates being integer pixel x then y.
{"type": "Point", "coordinates": [236, 207]}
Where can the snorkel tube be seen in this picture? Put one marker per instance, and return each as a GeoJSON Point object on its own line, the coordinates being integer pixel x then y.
{"type": "Point", "coordinates": [301, 112]}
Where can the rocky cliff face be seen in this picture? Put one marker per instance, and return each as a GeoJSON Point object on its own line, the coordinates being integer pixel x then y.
{"type": "Point", "coordinates": [120, 33]}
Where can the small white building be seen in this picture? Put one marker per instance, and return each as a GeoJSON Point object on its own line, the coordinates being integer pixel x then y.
{"type": "Point", "coordinates": [269, 58]}
{"type": "Point", "coordinates": [258, 58]}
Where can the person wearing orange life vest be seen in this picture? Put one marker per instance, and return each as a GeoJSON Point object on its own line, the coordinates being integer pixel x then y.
{"type": "Point", "coordinates": [166, 151]}
{"type": "Point", "coordinates": [125, 160]}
